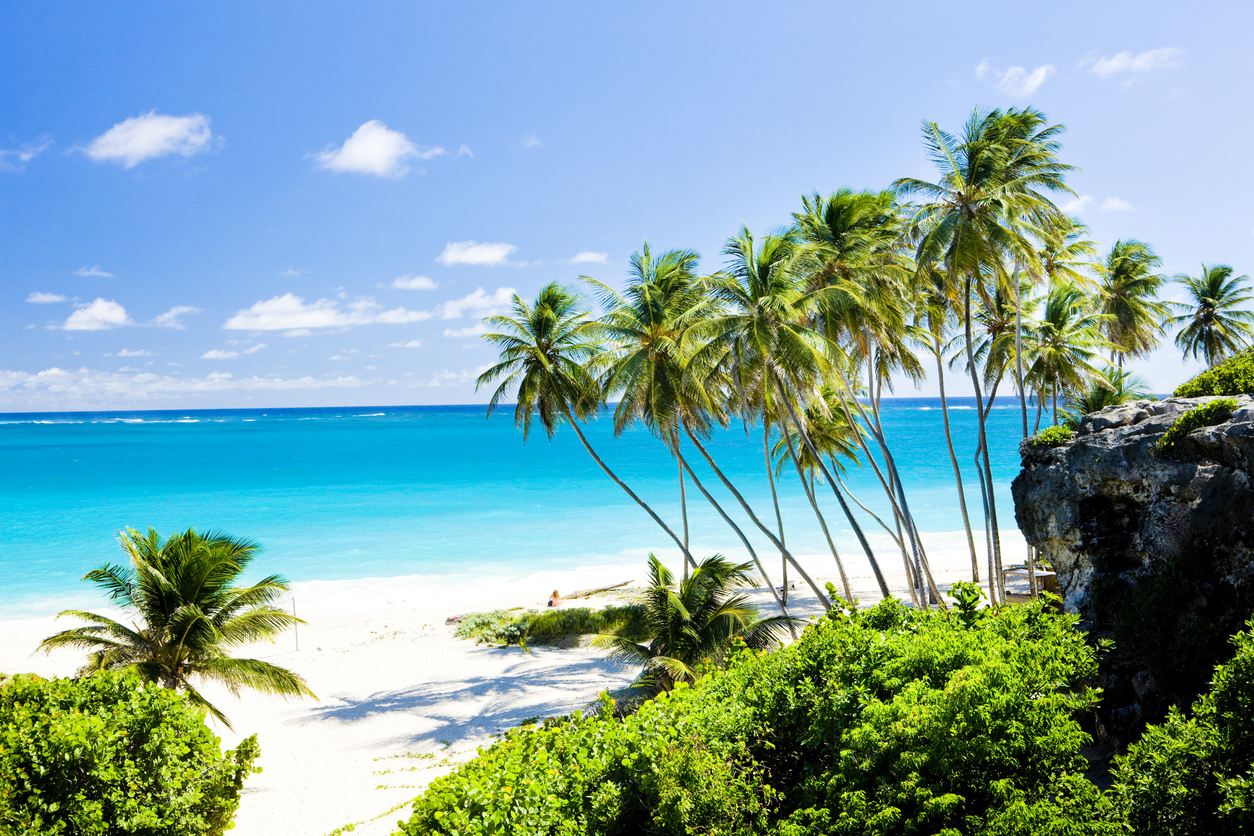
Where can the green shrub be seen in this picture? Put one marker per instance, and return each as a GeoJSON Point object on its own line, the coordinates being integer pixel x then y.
{"type": "Point", "coordinates": [109, 755]}
{"type": "Point", "coordinates": [886, 721]}
{"type": "Point", "coordinates": [559, 627]}
{"type": "Point", "coordinates": [1234, 376]}
{"type": "Point", "coordinates": [1194, 776]}
{"type": "Point", "coordinates": [1208, 414]}
{"type": "Point", "coordinates": [1052, 436]}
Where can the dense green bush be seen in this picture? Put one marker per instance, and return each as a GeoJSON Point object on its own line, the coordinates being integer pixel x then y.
{"type": "Point", "coordinates": [1052, 436]}
{"type": "Point", "coordinates": [1209, 413]}
{"type": "Point", "coordinates": [888, 721]}
{"type": "Point", "coordinates": [108, 755]}
{"type": "Point", "coordinates": [1194, 776]}
{"type": "Point", "coordinates": [560, 627]}
{"type": "Point", "coordinates": [1234, 376]}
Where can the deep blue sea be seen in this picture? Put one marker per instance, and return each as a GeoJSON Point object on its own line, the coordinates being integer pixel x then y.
{"type": "Point", "coordinates": [389, 491]}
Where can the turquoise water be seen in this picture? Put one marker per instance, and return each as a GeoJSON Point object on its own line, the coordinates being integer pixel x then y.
{"type": "Point", "coordinates": [388, 491]}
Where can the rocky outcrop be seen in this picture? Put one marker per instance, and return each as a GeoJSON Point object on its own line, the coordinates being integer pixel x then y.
{"type": "Point", "coordinates": [1155, 552]}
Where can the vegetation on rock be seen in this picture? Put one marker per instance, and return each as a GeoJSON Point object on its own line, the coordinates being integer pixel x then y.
{"type": "Point", "coordinates": [1054, 436]}
{"type": "Point", "coordinates": [1206, 415]}
{"type": "Point", "coordinates": [1234, 376]}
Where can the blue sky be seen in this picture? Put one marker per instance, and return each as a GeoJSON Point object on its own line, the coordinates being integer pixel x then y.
{"type": "Point", "coordinates": [277, 204]}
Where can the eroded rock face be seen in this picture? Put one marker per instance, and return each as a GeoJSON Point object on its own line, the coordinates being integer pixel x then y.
{"type": "Point", "coordinates": [1156, 553]}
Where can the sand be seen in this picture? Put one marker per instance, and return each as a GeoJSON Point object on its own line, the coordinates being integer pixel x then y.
{"type": "Point", "coordinates": [401, 700]}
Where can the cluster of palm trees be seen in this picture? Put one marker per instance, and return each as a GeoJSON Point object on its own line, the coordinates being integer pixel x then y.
{"type": "Point", "coordinates": [802, 332]}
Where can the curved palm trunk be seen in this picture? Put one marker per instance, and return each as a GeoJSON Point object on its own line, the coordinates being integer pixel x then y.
{"type": "Point", "coordinates": [1023, 398]}
{"type": "Point", "coordinates": [682, 546]}
{"type": "Point", "coordinates": [895, 538]}
{"type": "Point", "coordinates": [827, 605]}
{"type": "Point", "coordinates": [770, 478]}
{"type": "Point", "coordinates": [783, 607]}
{"type": "Point", "coordinates": [809, 489]}
{"type": "Point", "coordinates": [991, 521]}
{"type": "Point", "coordinates": [683, 502]}
{"type": "Point", "coordinates": [953, 458]}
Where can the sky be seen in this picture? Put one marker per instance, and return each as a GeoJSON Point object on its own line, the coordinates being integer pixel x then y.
{"type": "Point", "coordinates": [213, 205]}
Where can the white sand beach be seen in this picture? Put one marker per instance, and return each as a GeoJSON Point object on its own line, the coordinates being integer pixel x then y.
{"type": "Point", "coordinates": [401, 701]}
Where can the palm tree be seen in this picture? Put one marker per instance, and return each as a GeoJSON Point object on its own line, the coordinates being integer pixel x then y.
{"type": "Point", "coordinates": [692, 622]}
{"type": "Point", "coordinates": [187, 614]}
{"type": "Point", "coordinates": [1116, 388]}
{"type": "Point", "coordinates": [978, 216]}
{"type": "Point", "coordinates": [1129, 289]}
{"type": "Point", "coordinates": [543, 350]}
{"type": "Point", "coordinates": [1213, 324]}
{"type": "Point", "coordinates": [1068, 338]}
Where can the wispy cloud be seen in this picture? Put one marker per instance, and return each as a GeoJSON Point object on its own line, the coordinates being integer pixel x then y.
{"type": "Point", "coordinates": [1114, 204]}
{"type": "Point", "coordinates": [589, 257]}
{"type": "Point", "coordinates": [291, 313]}
{"type": "Point", "coordinates": [1127, 65]}
{"type": "Point", "coordinates": [465, 151]}
{"type": "Point", "coordinates": [469, 331]}
{"type": "Point", "coordinates": [151, 135]}
{"type": "Point", "coordinates": [100, 315]}
{"type": "Point", "coordinates": [1077, 204]}
{"type": "Point", "coordinates": [375, 149]}
{"type": "Point", "coordinates": [290, 273]}
{"type": "Point", "coordinates": [126, 352]}
{"type": "Point", "coordinates": [448, 378]}
{"type": "Point", "coordinates": [227, 354]}
{"type": "Point", "coordinates": [478, 303]}
{"type": "Point", "coordinates": [530, 141]}
{"type": "Point", "coordinates": [94, 270]}
{"type": "Point", "coordinates": [170, 319]}
{"type": "Point", "coordinates": [67, 385]}
{"type": "Point", "coordinates": [1016, 82]}
{"type": "Point", "coordinates": [414, 283]}
{"type": "Point", "coordinates": [15, 159]}
{"type": "Point", "coordinates": [407, 344]}
{"type": "Point", "coordinates": [472, 252]}
{"type": "Point", "coordinates": [44, 298]}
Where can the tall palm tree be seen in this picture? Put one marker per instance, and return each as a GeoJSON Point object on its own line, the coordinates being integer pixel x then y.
{"type": "Point", "coordinates": [544, 347]}
{"type": "Point", "coordinates": [187, 614]}
{"type": "Point", "coordinates": [1214, 325]}
{"type": "Point", "coordinates": [1066, 256]}
{"type": "Point", "coordinates": [1129, 288]}
{"type": "Point", "coordinates": [693, 621]}
{"type": "Point", "coordinates": [978, 216]}
{"type": "Point", "coordinates": [1118, 387]}
{"type": "Point", "coordinates": [1068, 338]}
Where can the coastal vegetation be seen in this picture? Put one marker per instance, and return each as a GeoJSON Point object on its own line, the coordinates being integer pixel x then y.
{"type": "Point", "coordinates": [187, 615]}
{"type": "Point", "coordinates": [804, 330]}
{"type": "Point", "coordinates": [1234, 376]}
{"type": "Point", "coordinates": [1208, 414]}
{"type": "Point", "coordinates": [564, 627]}
{"type": "Point", "coordinates": [111, 754]}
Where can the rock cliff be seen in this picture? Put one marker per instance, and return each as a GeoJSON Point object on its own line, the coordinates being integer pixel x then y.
{"type": "Point", "coordinates": [1153, 551]}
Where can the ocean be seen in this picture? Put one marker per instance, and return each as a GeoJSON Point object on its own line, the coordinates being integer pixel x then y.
{"type": "Point", "coordinates": [440, 491]}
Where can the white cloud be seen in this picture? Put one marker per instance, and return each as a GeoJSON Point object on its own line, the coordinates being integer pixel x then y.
{"type": "Point", "coordinates": [290, 313]}
{"type": "Point", "coordinates": [1114, 204]}
{"type": "Point", "coordinates": [1015, 81]}
{"type": "Point", "coordinates": [478, 303]}
{"type": "Point", "coordinates": [1126, 64]}
{"type": "Point", "coordinates": [414, 283]}
{"type": "Point", "coordinates": [447, 378]}
{"type": "Point", "coordinates": [472, 252]}
{"type": "Point", "coordinates": [218, 354]}
{"type": "Point", "coordinates": [15, 159]}
{"type": "Point", "coordinates": [375, 149]}
{"type": "Point", "coordinates": [409, 344]}
{"type": "Point", "coordinates": [100, 315]}
{"type": "Point", "coordinates": [170, 319]}
{"type": "Point", "coordinates": [290, 273]}
{"type": "Point", "coordinates": [469, 331]}
{"type": "Point", "coordinates": [1076, 205]}
{"type": "Point", "coordinates": [93, 271]}
{"type": "Point", "coordinates": [88, 383]}
{"type": "Point", "coordinates": [530, 141]}
{"type": "Point", "coordinates": [44, 298]}
{"type": "Point", "coordinates": [590, 257]}
{"type": "Point", "coordinates": [465, 151]}
{"type": "Point", "coordinates": [126, 352]}
{"type": "Point", "coordinates": [151, 135]}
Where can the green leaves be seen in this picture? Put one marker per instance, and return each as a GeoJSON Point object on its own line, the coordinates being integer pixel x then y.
{"type": "Point", "coordinates": [1208, 414]}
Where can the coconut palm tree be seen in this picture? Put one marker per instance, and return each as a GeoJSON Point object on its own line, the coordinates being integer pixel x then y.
{"type": "Point", "coordinates": [186, 616]}
{"type": "Point", "coordinates": [544, 347]}
{"type": "Point", "coordinates": [1214, 325]}
{"type": "Point", "coordinates": [1129, 288]}
{"type": "Point", "coordinates": [1116, 388]}
{"type": "Point", "coordinates": [978, 216]}
{"type": "Point", "coordinates": [692, 622]}
{"type": "Point", "coordinates": [1067, 338]}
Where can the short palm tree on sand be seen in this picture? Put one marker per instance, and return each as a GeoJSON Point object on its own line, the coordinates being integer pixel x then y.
{"type": "Point", "coordinates": [696, 620]}
{"type": "Point", "coordinates": [186, 614]}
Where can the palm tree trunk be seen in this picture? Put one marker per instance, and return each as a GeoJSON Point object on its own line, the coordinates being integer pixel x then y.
{"type": "Point", "coordinates": [809, 489]}
{"type": "Point", "coordinates": [682, 545]}
{"type": "Point", "coordinates": [683, 502]}
{"type": "Point", "coordinates": [770, 478]}
{"type": "Point", "coordinates": [895, 538]}
{"type": "Point", "coordinates": [953, 458]}
{"type": "Point", "coordinates": [770, 585]}
{"type": "Point", "coordinates": [827, 605]}
{"type": "Point", "coordinates": [991, 524]}
{"type": "Point", "coordinates": [1023, 398]}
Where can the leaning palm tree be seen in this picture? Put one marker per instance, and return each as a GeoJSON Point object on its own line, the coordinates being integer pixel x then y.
{"type": "Point", "coordinates": [544, 348]}
{"type": "Point", "coordinates": [186, 615]}
{"type": "Point", "coordinates": [694, 621]}
{"type": "Point", "coordinates": [1213, 324]}
{"type": "Point", "coordinates": [1129, 289]}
